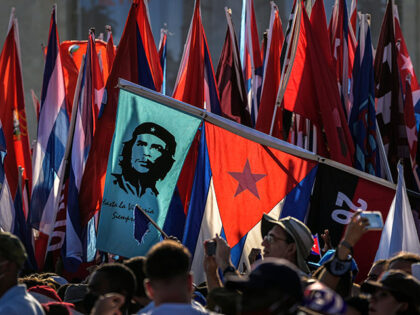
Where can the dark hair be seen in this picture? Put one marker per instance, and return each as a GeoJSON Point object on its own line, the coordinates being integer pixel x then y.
{"type": "Point", "coordinates": [289, 238]}
{"type": "Point", "coordinates": [162, 165]}
{"type": "Point", "coordinates": [120, 278]}
{"type": "Point", "coordinates": [136, 265]}
{"type": "Point", "coordinates": [360, 303]}
{"type": "Point", "coordinates": [57, 308]}
{"type": "Point", "coordinates": [403, 256]}
{"type": "Point", "coordinates": [166, 260]}
{"type": "Point", "coordinates": [34, 280]}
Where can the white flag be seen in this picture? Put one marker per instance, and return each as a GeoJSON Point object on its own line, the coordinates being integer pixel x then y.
{"type": "Point", "coordinates": [399, 233]}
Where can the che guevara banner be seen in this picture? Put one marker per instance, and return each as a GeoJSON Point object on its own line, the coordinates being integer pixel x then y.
{"type": "Point", "coordinates": [148, 149]}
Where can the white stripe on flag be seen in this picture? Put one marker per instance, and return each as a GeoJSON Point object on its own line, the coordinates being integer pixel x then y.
{"type": "Point", "coordinates": [210, 225]}
{"type": "Point", "coordinates": [7, 217]}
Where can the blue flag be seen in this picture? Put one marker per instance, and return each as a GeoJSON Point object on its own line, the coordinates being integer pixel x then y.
{"type": "Point", "coordinates": [148, 149]}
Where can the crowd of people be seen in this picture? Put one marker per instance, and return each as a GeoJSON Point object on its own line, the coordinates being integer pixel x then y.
{"type": "Point", "coordinates": [281, 281]}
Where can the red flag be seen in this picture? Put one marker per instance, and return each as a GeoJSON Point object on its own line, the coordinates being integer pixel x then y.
{"type": "Point", "coordinates": [271, 78]}
{"type": "Point", "coordinates": [72, 53]}
{"type": "Point", "coordinates": [314, 98]}
{"type": "Point", "coordinates": [195, 85]}
{"type": "Point", "coordinates": [149, 46]}
{"type": "Point", "coordinates": [110, 49]}
{"type": "Point", "coordinates": [343, 43]}
{"type": "Point", "coordinates": [189, 86]}
{"type": "Point", "coordinates": [12, 110]}
{"type": "Point", "coordinates": [230, 80]}
{"type": "Point", "coordinates": [130, 63]}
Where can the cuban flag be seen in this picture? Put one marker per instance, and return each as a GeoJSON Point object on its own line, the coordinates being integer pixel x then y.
{"type": "Point", "coordinates": [81, 240]}
{"type": "Point", "coordinates": [252, 65]}
{"type": "Point", "coordinates": [50, 147]}
{"type": "Point", "coordinates": [235, 185]}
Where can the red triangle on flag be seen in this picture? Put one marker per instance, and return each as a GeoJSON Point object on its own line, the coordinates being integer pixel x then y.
{"type": "Point", "coordinates": [249, 179]}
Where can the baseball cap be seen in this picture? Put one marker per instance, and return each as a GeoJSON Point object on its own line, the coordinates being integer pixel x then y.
{"type": "Point", "coordinates": [398, 282]}
{"type": "Point", "coordinates": [298, 231]}
{"type": "Point", "coordinates": [269, 274]}
{"type": "Point", "coordinates": [12, 249]}
{"type": "Point", "coordinates": [318, 297]}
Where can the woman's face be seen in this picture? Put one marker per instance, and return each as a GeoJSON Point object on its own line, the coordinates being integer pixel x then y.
{"type": "Point", "coordinates": [383, 302]}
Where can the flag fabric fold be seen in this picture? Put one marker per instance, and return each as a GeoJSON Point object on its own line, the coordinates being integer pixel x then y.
{"type": "Point", "coordinates": [271, 79]}
{"type": "Point", "coordinates": [12, 110]}
{"type": "Point", "coordinates": [362, 120]}
{"type": "Point", "coordinates": [80, 240]}
{"type": "Point", "coordinates": [399, 232]}
{"type": "Point", "coordinates": [230, 81]}
{"type": "Point", "coordinates": [314, 99]}
{"type": "Point", "coordinates": [50, 147]}
{"type": "Point", "coordinates": [389, 101]}
{"type": "Point", "coordinates": [252, 65]}
{"type": "Point", "coordinates": [343, 43]}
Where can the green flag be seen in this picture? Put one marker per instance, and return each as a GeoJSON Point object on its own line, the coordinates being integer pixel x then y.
{"type": "Point", "coordinates": [150, 143]}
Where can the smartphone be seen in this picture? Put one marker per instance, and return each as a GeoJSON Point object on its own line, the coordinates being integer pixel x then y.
{"type": "Point", "coordinates": [375, 219]}
{"type": "Point", "coordinates": [210, 247]}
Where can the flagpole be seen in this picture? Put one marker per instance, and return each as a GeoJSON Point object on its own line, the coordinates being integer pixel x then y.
{"type": "Point", "coordinates": [246, 132]}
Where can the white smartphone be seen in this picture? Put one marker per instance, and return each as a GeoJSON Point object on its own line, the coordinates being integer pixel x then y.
{"type": "Point", "coordinates": [375, 219]}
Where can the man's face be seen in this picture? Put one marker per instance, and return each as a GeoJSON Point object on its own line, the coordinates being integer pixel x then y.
{"type": "Point", "coordinates": [146, 150]}
{"type": "Point", "coordinates": [275, 244]}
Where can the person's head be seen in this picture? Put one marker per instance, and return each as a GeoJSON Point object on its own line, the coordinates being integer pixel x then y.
{"type": "Point", "coordinates": [108, 278]}
{"type": "Point", "coordinates": [377, 268]}
{"type": "Point", "coordinates": [396, 292]}
{"type": "Point", "coordinates": [273, 286]}
{"type": "Point", "coordinates": [286, 238]}
{"type": "Point", "coordinates": [12, 259]}
{"type": "Point", "coordinates": [168, 277]}
{"type": "Point", "coordinates": [402, 261]}
{"type": "Point", "coordinates": [149, 154]}
{"type": "Point", "coordinates": [136, 265]}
